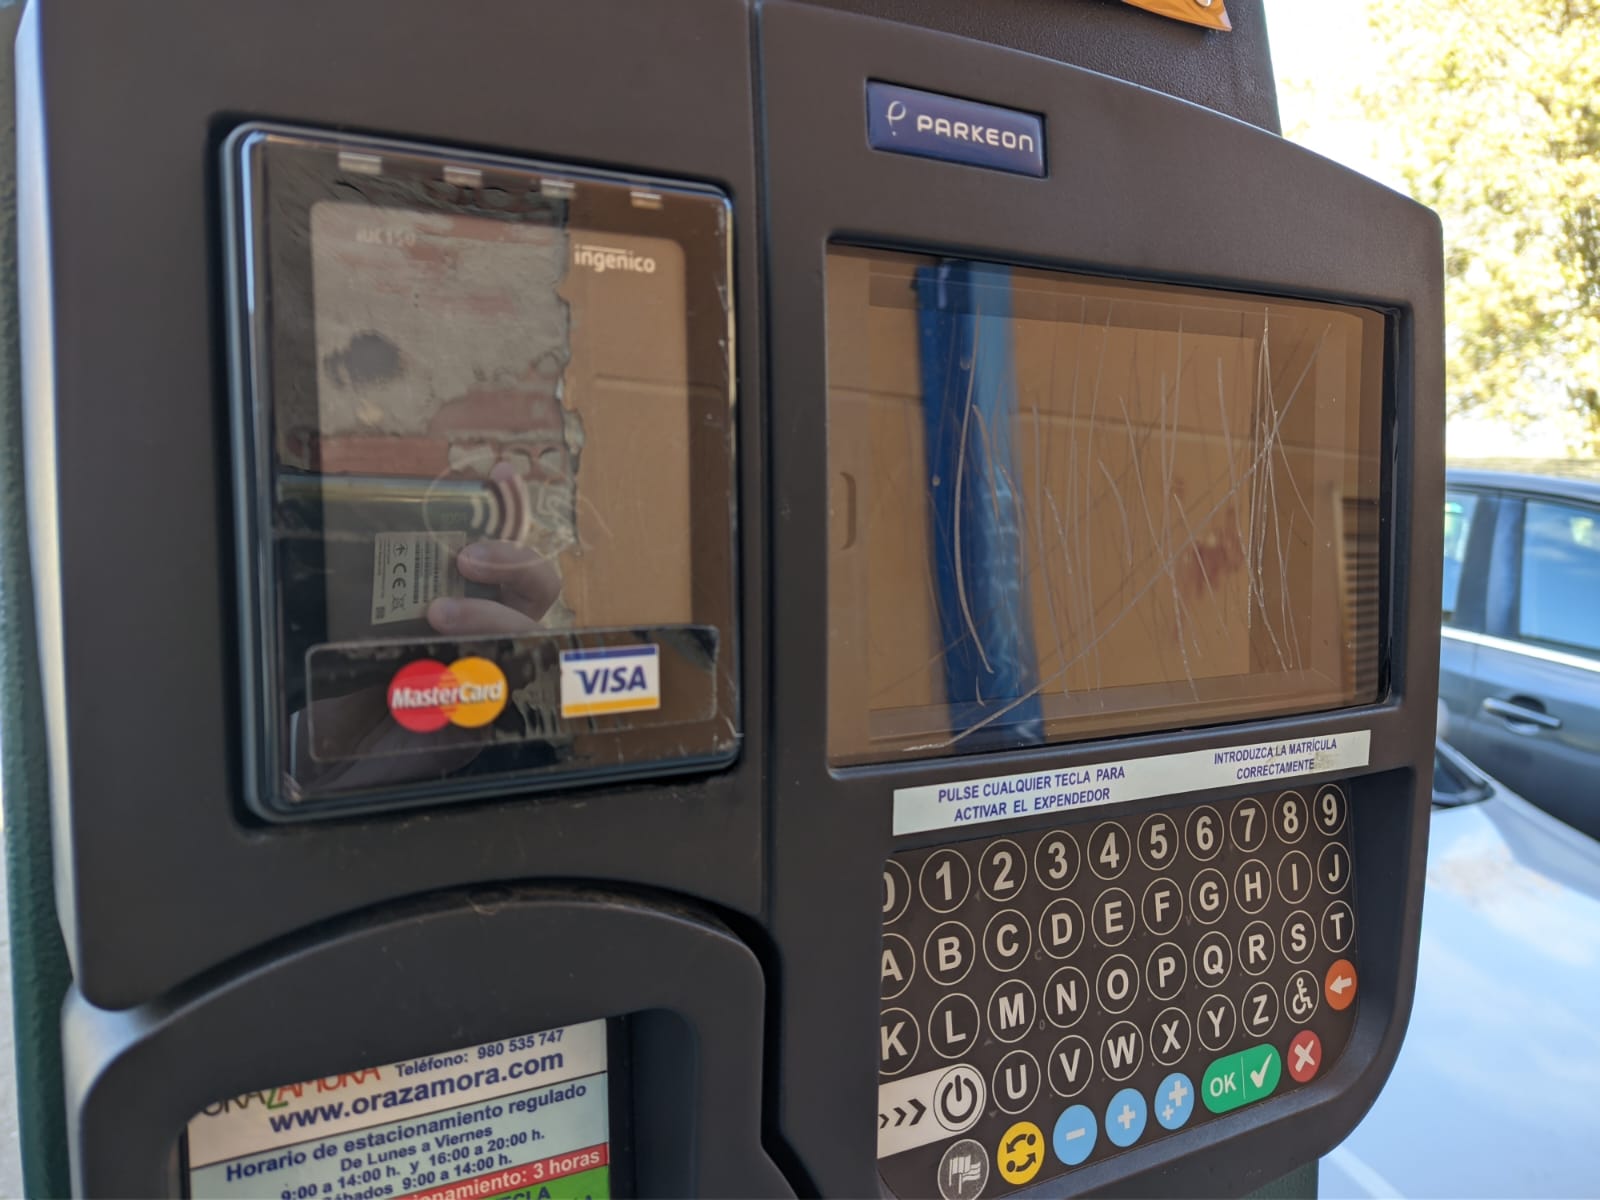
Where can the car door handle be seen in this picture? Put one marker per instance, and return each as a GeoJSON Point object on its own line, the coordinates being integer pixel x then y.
{"type": "Point", "coordinates": [1521, 710]}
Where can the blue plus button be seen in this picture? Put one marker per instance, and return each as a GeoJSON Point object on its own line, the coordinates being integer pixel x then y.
{"type": "Point", "coordinates": [1125, 1117]}
{"type": "Point", "coordinates": [1175, 1101]}
{"type": "Point", "coordinates": [1075, 1134]}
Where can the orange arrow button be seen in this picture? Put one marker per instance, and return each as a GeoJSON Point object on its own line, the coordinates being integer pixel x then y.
{"type": "Point", "coordinates": [1340, 985]}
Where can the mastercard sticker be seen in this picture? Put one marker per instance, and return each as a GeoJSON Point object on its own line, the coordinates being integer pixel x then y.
{"type": "Point", "coordinates": [427, 695]}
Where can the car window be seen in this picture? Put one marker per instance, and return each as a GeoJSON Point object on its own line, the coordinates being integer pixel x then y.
{"type": "Point", "coordinates": [1458, 511]}
{"type": "Point", "coordinates": [1561, 575]}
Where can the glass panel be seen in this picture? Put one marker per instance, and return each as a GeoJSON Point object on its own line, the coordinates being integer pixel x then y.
{"type": "Point", "coordinates": [490, 471]}
{"type": "Point", "coordinates": [1064, 506]}
{"type": "Point", "coordinates": [1561, 575]}
{"type": "Point", "coordinates": [1459, 508]}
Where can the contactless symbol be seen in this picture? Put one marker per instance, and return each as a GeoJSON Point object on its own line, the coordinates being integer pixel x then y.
{"type": "Point", "coordinates": [964, 1170]}
{"type": "Point", "coordinates": [1175, 1101]}
{"type": "Point", "coordinates": [1340, 985]}
{"type": "Point", "coordinates": [1075, 1132]}
{"type": "Point", "coordinates": [1125, 1117]}
{"type": "Point", "coordinates": [426, 695]}
{"type": "Point", "coordinates": [958, 1098]}
{"type": "Point", "coordinates": [1305, 1056]}
{"type": "Point", "coordinates": [1021, 1153]}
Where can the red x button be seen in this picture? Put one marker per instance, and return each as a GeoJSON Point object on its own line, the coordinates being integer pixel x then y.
{"type": "Point", "coordinates": [1305, 1056]}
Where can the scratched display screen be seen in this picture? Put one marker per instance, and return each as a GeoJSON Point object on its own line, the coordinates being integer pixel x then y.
{"type": "Point", "coordinates": [1063, 506]}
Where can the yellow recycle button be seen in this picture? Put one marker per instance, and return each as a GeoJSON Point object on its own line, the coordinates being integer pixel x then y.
{"type": "Point", "coordinates": [1020, 1153]}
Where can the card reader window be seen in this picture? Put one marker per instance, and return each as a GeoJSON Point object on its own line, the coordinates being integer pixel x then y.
{"type": "Point", "coordinates": [1065, 507]}
{"type": "Point", "coordinates": [485, 424]}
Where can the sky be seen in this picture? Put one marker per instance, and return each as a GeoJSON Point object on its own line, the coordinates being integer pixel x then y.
{"type": "Point", "coordinates": [1321, 50]}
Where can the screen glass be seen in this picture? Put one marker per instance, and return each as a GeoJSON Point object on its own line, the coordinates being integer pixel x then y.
{"type": "Point", "coordinates": [489, 472]}
{"type": "Point", "coordinates": [1064, 507]}
{"type": "Point", "coordinates": [527, 1116]}
{"type": "Point", "coordinates": [495, 379]}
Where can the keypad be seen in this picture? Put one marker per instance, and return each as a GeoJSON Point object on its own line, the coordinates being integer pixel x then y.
{"type": "Point", "coordinates": [1053, 998]}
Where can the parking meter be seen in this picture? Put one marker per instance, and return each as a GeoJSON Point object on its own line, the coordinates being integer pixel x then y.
{"type": "Point", "coordinates": [718, 598]}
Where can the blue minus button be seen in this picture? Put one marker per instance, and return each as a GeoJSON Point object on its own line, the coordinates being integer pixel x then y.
{"type": "Point", "coordinates": [905, 121]}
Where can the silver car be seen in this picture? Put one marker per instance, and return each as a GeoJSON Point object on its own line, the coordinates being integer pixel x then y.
{"type": "Point", "coordinates": [1494, 1090]}
{"type": "Point", "coordinates": [1519, 668]}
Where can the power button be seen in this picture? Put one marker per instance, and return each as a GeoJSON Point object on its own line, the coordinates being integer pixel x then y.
{"type": "Point", "coordinates": [958, 1098]}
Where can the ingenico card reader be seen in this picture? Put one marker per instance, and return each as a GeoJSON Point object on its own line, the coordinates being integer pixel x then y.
{"type": "Point", "coordinates": [752, 599]}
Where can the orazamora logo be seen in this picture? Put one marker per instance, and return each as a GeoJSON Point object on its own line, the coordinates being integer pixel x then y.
{"type": "Point", "coordinates": [426, 695]}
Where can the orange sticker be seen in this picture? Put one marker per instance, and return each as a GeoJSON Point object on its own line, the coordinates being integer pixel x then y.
{"type": "Point", "coordinates": [1340, 985]}
{"type": "Point", "coordinates": [1212, 14]}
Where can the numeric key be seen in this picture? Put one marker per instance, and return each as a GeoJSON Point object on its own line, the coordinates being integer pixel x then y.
{"type": "Point", "coordinates": [1002, 870]}
{"type": "Point", "coordinates": [1331, 808]}
{"type": "Point", "coordinates": [1247, 825]}
{"type": "Point", "coordinates": [1056, 860]}
{"type": "Point", "coordinates": [945, 880]}
{"type": "Point", "coordinates": [1289, 818]}
{"type": "Point", "coordinates": [1203, 832]}
{"type": "Point", "coordinates": [1108, 850]}
{"type": "Point", "coordinates": [896, 891]}
{"type": "Point", "coordinates": [1158, 841]}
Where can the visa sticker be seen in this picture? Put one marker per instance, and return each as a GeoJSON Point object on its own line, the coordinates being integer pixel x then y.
{"type": "Point", "coordinates": [615, 679]}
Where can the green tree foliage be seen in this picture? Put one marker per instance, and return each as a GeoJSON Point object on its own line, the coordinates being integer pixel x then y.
{"type": "Point", "coordinates": [1495, 111]}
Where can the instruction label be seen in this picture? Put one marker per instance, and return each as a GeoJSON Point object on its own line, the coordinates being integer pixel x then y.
{"type": "Point", "coordinates": [524, 1118]}
{"type": "Point", "coordinates": [412, 570]}
{"type": "Point", "coordinates": [1010, 797]}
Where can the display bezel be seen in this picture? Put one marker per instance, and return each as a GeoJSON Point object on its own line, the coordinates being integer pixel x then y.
{"type": "Point", "coordinates": [273, 177]}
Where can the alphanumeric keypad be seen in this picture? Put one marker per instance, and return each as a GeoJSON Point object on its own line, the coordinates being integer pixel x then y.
{"type": "Point", "coordinates": [1074, 993]}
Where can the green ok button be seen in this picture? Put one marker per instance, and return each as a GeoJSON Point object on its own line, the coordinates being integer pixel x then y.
{"type": "Point", "coordinates": [1235, 1080]}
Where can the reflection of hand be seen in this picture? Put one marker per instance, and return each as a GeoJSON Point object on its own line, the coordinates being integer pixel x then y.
{"type": "Point", "coordinates": [528, 582]}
